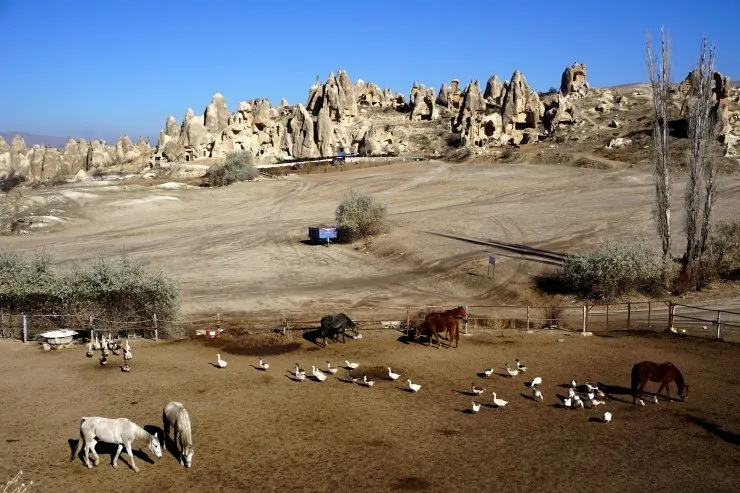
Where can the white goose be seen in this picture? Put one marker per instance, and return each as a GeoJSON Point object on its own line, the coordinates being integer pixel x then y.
{"type": "Point", "coordinates": [127, 354]}
{"type": "Point", "coordinates": [95, 343]}
{"type": "Point", "coordinates": [536, 381]}
{"type": "Point", "coordinates": [512, 373]}
{"type": "Point", "coordinates": [577, 401]}
{"type": "Point", "coordinates": [571, 393]}
{"type": "Point", "coordinates": [488, 372]}
{"type": "Point", "coordinates": [318, 374]}
{"type": "Point", "coordinates": [330, 369]}
{"type": "Point", "coordinates": [264, 365]}
{"type": "Point", "coordinates": [391, 375]}
{"type": "Point", "coordinates": [568, 403]}
{"type": "Point", "coordinates": [415, 387]}
{"type": "Point", "coordinates": [475, 408]}
{"type": "Point", "coordinates": [573, 383]}
{"type": "Point", "coordinates": [499, 402]}
{"type": "Point", "coordinates": [607, 417]}
{"type": "Point", "coordinates": [600, 394]}
{"type": "Point", "coordinates": [350, 365]}
{"type": "Point", "coordinates": [536, 394]}
{"type": "Point", "coordinates": [591, 387]}
{"type": "Point", "coordinates": [595, 403]}
{"type": "Point", "coordinates": [89, 353]}
{"type": "Point", "coordinates": [366, 382]}
{"type": "Point", "coordinates": [298, 372]}
{"type": "Point", "coordinates": [591, 395]}
{"type": "Point", "coordinates": [520, 366]}
{"type": "Point", "coordinates": [476, 390]}
{"type": "Point", "coordinates": [219, 362]}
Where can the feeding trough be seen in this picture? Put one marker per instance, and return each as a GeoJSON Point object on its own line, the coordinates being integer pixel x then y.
{"type": "Point", "coordinates": [58, 338]}
{"type": "Point", "coordinates": [322, 234]}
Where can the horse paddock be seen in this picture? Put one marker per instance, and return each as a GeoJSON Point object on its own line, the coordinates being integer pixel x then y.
{"type": "Point", "coordinates": [256, 430]}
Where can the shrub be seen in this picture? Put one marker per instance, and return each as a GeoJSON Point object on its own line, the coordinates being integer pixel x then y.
{"type": "Point", "coordinates": [238, 166]}
{"type": "Point", "coordinates": [10, 181]}
{"type": "Point", "coordinates": [723, 260]}
{"type": "Point", "coordinates": [358, 216]}
{"type": "Point", "coordinates": [612, 270]}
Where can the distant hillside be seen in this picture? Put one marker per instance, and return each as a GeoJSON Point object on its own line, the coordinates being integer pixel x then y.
{"type": "Point", "coordinates": [33, 139]}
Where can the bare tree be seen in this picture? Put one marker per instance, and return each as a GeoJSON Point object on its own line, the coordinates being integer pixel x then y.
{"type": "Point", "coordinates": [701, 167]}
{"type": "Point", "coordinates": [660, 81]}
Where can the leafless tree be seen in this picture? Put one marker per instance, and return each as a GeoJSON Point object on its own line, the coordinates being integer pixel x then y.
{"type": "Point", "coordinates": [701, 166]}
{"type": "Point", "coordinates": [660, 82]}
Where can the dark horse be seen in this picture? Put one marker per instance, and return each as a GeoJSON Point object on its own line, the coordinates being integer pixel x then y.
{"type": "Point", "coordinates": [334, 325]}
{"type": "Point", "coordinates": [436, 323]}
{"type": "Point", "coordinates": [664, 373]}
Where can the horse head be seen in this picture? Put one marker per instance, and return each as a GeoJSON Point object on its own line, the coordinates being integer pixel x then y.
{"type": "Point", "coordinates": [463, 312]}
{"type": "Point", "coordinates": [684, 393]}
{"type": "Point", "coordinates": [186, 457]}
{"type": "Point", "coordinates": [154, 446]}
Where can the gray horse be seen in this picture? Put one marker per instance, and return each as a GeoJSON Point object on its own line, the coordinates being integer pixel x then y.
{"type": "Point", "coordinates": [334, 325]}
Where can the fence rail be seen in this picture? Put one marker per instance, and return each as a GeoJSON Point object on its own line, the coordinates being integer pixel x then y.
{"type": "Point", "coordinates": [643, 315]}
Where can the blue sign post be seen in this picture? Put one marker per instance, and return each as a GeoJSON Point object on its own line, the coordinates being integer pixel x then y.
{"type": "Point", "coordinates": [491, 267]}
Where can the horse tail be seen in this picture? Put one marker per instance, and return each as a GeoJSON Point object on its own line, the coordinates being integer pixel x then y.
{"type": "Point", "coordinates": [635, 380]}
{"type": "Point", "coordinates": [80, 442]}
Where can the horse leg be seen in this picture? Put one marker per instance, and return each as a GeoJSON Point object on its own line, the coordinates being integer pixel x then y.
{"type": "Point", "coordinates": [130, 456]}
{"type": "Point", "coordinates": [663, 385]}
{"type": "Point", "coordinates": [86, 455]}
{"type": "Point", "coordinates": [91, 445]}
{"type": "Point", "coordinates": [165, 428]}
{"type": "Point", "coordinates": [638, 394]}
{"type": "Point", "coordinates": [115, 456]}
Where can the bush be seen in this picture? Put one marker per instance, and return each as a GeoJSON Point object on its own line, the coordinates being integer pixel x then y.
{"type": "Point", "coordinates": [118, 291]}
{"type": "Point", "coordinates": [238, 166]}
{"type": "Point", "coordinates": [723, 261]}
{"type": "Point", "coordinates": [358, 216]}
{"type": "Point", "coordinates": [612, 270]}
{"type": "Point", "coordinates": [10, 181]}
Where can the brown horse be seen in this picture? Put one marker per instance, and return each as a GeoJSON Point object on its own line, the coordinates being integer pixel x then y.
{"type": "Point", "coordinates": [664, 373]}
{"type": "Point", "coordinates": [437, 323]}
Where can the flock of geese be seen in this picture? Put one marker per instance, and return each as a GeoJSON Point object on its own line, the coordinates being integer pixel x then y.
{"type": "Point", "coordinates": [593, 396]}
{"type": "Point", "coordinates": [108, 346]}
{"type": "Point", "coordinates": [318, 375]}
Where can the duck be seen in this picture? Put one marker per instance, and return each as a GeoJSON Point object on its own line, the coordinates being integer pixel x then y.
{"type": "Point", "coordinates": [488, 372]}
{"type": "Point", "coordinates": [366, 382]}
{"type": "Point", "coordinates": [330, 369]}
{"type": "Point", "coordinates": [607, 417]}
{"type": "Point", "coordinates": [536, 381]}
{"type": "Point", "coordinates": [318, 374]}
{"type": "Point", "coordinates": [476, 390]}
{"type": "Point", "coordinates": [264, 365]}
{"type": "Point", "coordinates": [350, 365]}
{"type": "Point", "coordinates": [415, 387]}
{"type": "Point", "coordinates": [520, 366]}
{"type": "Point", "coordinates": [475, 408]}
{"type": "Point", "coordinates": [499, 402]}
{"type": "Point", "coordinates": [219, 362]}
{"type": "Point", "coordinates": [512, 373]}
{"type": "Point", "coordinates": [391, 375]}
{"type": "Point", "coordinates": [103, 361]}
{"type": "Point", "coordinates": [126, 368]}
{"type": "Point", "coordinates": [89, 353]}
{"type": "Point", "coordinates": [536, 394]}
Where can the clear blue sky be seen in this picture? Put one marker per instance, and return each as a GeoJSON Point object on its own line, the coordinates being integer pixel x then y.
{"type": "Point", "coordinates": [105, 68]}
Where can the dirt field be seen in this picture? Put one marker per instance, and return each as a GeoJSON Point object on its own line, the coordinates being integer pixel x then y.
{"type": "Point", "coordinates": [257, 431]}
{"type": "Point", "coordinates": [240, 248]}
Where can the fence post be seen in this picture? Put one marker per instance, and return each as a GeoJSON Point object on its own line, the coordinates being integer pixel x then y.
{"type": "Point", "coordinates": [607, 316]}
{"type": "Point", "coordinates": [671, 314]}
{"type": "Point", "coordinates": [629, 315]}
{"type": "Point", "coordinates": [156, 329]}
{"type": "Point", "coordinates": [408, 321]}
{"type": "Point", "coordinates": [719, 325]}
{"type": "Point", "coordinates": [583, 319]}
{"type": "Point", "coordinates": [650, 323]}
{"type": "Point", "coordinates": [25, 328]}
{"type": "Point", "coordinates": [92, 328]}
{"type": "Point", "coordinates": [466, 319]}
{"type": "Point", "coordinates": [527, 317]}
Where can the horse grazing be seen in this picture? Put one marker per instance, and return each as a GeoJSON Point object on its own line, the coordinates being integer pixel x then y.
{"type": "Point", "coordinates": [664, 373]}
{"type": "Point", "coordinates": [120, 431]}
{"type": "Point", "coordinates": [174, 415]}
{"type": "Point", "coordinates": [436, 323]}
{"type": "Point", "coordinates": [334, 325]}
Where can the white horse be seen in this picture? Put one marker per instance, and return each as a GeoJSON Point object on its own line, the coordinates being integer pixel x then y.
{"type": "Point", "coordinates": [176, 416]}
{"type": "Point", "coordinates": [120, 431]}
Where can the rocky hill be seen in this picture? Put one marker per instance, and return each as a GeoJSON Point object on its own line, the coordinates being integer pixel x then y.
{"type": "Point", "coordinates": [576, 124]}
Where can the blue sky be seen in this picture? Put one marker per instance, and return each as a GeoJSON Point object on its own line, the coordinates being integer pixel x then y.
{"type": "Point", "coordinates": [107, 68]}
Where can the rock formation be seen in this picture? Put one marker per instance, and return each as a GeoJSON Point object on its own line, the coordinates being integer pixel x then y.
{"type": "Point", "coordinates": [574, 81]}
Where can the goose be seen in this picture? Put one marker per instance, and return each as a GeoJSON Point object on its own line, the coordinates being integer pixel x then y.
{"type": "Point", "coordinates": [512, 373]}
{"type": "Point", "coordinates": [349, 365]}
{"type": "Point", "coordinates": [219, 362]}
{"type": "Point", "coordinates": [415, 387]}
{"type": "Point", "coordinates": [488, 372]}
{"type": "Point", "coordinates": [105, 351]}
{"type": "Point", "coordinates": [568, 402]}
{"type": "Point", "coordinates": [475, 408]}
{"type": "Point", "coordinates": [366, 382]}
{"type": "Point", "coordinates": [600, 394]}
{"type": "Point", "coordinates": [298, 372]}
{"type": "Point", "coordinates": [607, 417]}
{"type": "Point", "coordinates": [95, 343]}
{"type": "Point", "coordinates": [591, 387]}
{"type": "Point", "coordinates": [573, 383]}
{"type": "Point", "coordinates": [571, 393]}
{"type": "Point", "coordinates": [300, 377]}
{"type": "Point", "coordinates": [499, 402]}
{"type": "Point", "coordinates": [393, 376]}
{"type": "Point", "coordinates": [595, 402]}
{"type": "Point", "coordinates": [536, 381]}
{"type": "Point", "coordinates": [578, 402]}
{"type": "Point", "coordinates": [591, 395]}
{"type": "Point", "coordinates": [475, 389]}
{"type": "Point", "coordinates": [520, 366]}
{"type": "Point", "coordinates": [264, 365]}
{"type": "Point", "coordinates": [128, 347]}
{"type": "Point", "coordinates": [536, 394]}
{"type": "Point", "coordinates": [103, 344]}
{"type": "Point", "coordinates": [318, 374]}
{"type": "Point", "coordinates": [330, 369]}
{"type": "Point", "coordinates": [103, 361]}
{"type": "Point", "coordinates": [127, 354]}
{"type": "Point", "coordinates": [89, 353]}
{"type": "Point", "coordinates": [126, 368]}
{"type": "Point", "coordinates": [116, 351]}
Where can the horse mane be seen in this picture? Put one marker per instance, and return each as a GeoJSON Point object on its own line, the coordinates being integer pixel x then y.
{"type": "Point", "coordinates": [679, 379]}
{"type": "Point", "coordinates": [141, 433]}
{"type": "Point", "coordinates": [184, 431]}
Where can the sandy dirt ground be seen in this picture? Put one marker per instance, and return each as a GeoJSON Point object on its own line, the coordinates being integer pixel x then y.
{"type": "Point", "coordinates": [240, 249]}
{"type": "Point", "coordinates": [262, 431]}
